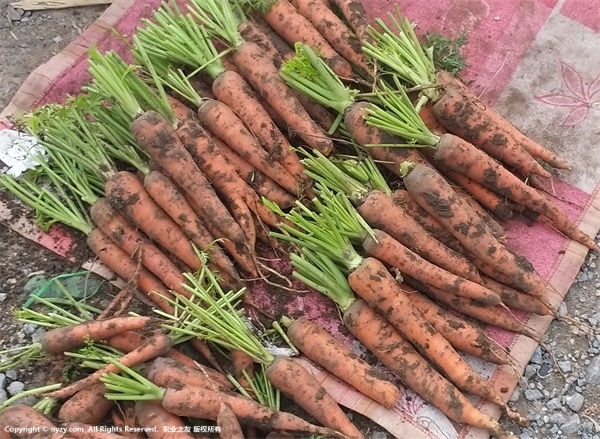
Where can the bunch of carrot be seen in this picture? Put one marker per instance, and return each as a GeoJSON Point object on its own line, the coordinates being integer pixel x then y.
{"type": "Point", "coordinates": [244, 126]}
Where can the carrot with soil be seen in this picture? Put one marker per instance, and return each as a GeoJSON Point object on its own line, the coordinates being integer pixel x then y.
{"type": "Point", "coordinates": [88, 405]}
{"type": "Point", "coordinates": [166, 372]}
{"type": "Point", "coordinates": [159, 423]}
{"type": "Point", "coordinates": [257, 69]}
{"type": "Point", "coordinates": [228, 423]}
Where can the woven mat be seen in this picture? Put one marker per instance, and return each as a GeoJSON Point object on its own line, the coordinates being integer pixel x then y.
{"type": "Point", "coordinates": [520, 63]}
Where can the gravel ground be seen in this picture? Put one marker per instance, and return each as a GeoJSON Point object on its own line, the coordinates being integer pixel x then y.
{"type": "Point", "coordinates": [560, 390]}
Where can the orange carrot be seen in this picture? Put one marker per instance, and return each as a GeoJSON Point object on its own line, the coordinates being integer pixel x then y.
{"type": "Point", "coordinates": [490, 315]}
{"type": "Point", "coordinates": [517, 300]}
{"type": "Point", "coordinates": [122, 233]}
{"type": "Point", "coordinates": [165, 193]}
{"type": "Point", "coordinates": [461, 334]}
{"type": "Point", "coordinates": [153, 347]}
{"type": "Point", "coordinates": [231, 89]}
{"type": "Point", "coordinates": [365, 135]}
{"type": "Point", "coordinates": [334, 30]}
{"type": "Point", "coordinates": [322, 348]}
{"type": "Point", "coordinates": [298, 384]}
{"type": "Point", "coordinates": [400, 357]}
{"type": "Point", "coordinates": [223, 123]}
{"type": "Point", "coordinates": [500, 207]}
{"type": "Point", "coordinates": [354, 13]}
{"type": "Point", "coordinates": [166, 372]}
{"type": "Point", "coordinates": [381, 211]}
{"type": "Point", "coordinates": [65, 338]}
{"type": "Point", "coordinates": [223, 174]}
{"type": "Point", "coordinates": [197, 402]}
{"type": "Point", "coordinates": [372, 282]}
{"type": "Point", "coordinates": [427, 221]}
{"type": "Point", "coordinates": [159, 423]}
{"type": "Point", "coordinates": [120, 262]}
{"type": "Point", "coordinates": [263, 185]}
{"type": "Point", "coordinates": [19, 420]}
{"type": "Point", "coordinates": [463, 116]}
{"type": "Point", "coordinates": [264, 78]}
{"type": "Point", "coordinates": [88, 405]}
{"type": "Point", "coordinates": [535, 149]}
{"type": "Point", "coordinates": [127, 194]}
{"type": "Point", "coordinates": [228, 423]}
{"type": "Point", "coordinates": [385, 248]}
{"type": "Point", "coordinates": [284, 19]}
{"type": "Point", "coordinates": [436, 196]}
{"type": "Point", "coordinates": [493, 226]}
{"type": "Point", "coordinates": [157, 137]}
{"type": "Point", "coordinates": [468, 160]}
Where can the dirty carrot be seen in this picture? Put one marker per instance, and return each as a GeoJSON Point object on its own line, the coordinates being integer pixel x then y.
{"type": "Point", "coordinates": [88, 406]}
{"type": "Point", "coordinates": [65, 338]}
{"type": "Point", "coordinates": [297, 383]}
{"type": "Point", "coordinates": [228, 423]}
{"type": "Point", "coordinates": [166, 194]}
{"type": "Point", "coordinates": [126, 236]}
{"type": "Point", "coordinates": [321, 347]}
{"type": "Point", "coordinates": [19, 419]}
{"type": "Point", "coordinates": [516, 299]}
{"type": "Point", "coordinates": [120, 262]}
{"type": "Point", "coordinates": [493, 226]}
{"type": "Point", "coordinates": [461, 334]}
{"type": "Point", "coordinates": [159, 423]}
{"type": "Point", "coordinates": [157, 137]}
{"type": "Point", "coordinates": [400, 356]}
{"type": "Point", "coordinates": [385, 248]}
{"type": "Point", "coordinates": [166, 372]}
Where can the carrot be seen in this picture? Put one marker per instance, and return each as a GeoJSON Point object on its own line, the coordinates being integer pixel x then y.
{"type": "Point", "coordinates": [436, 196]}
{"type": "Point", "coordinates": [165, 193]}
{"type": "Point", "coordinates": [372, 282]}
{"type": "Point", "coordinates": [231, 89]}
{"type": "Point", "coordinates": [334, 30]}
{"type": "Point", "coordinates": [500, 207]}
{"type": "Point", "coordinates": [229, 424]}
{"type": "Point", "coordinates": [461, 334]}
{"type": "Point", "coordinates": [263, 185]}
{"type": "Point", "coordinates": [21, 421]}
{"type": "Point", "coordinates": [463, 116]}
{"type": "Point", "coordinates": [242, 365]}
{"type": "Point", "coordinates": [66, 338]}
{"type": "Point", "coordinates": [490, 315]}
{"type": "Point", "coordinates": [166, 372]}
{"type": "Point", "coordinates": [385, 248]}
{"type": "Point", "coordinates": [493, 273]}
{"type": "Point", "coordinates": [369, 136]}
{"type": "Point", "coordinates": [223, 174]}
{"type": "Point", "coordinates": [493, 226]}
{"type": "Point", "coordinates": [79, 430]}
{"type": "Point", "coordinates": [153, 347]}
{"type": "Point", "coordinates": [299, 385]}
{"type": "Point", "coordinates": [156, 136]}
{"type": "Point", "coordinates": [322, 348]}
{"type": "Point", "coordinates": [430, 121]}
{"type": "Point", "coordinates": [535, 149]}
{"type": "Point", "coordinates": [159, 423]}
{"type": "Point", "coordinates": [127, 194]}
{"type": "Point", "coordinates": [265, 79]}
{"type": "Point", "coordinates": [466, 159]}
{"type": "Point", "coordinates": [427, 221]}
{"type": "Point", "coordinates": [400, 357]}
{"type": "Point", "coordinates": [382, 212]}
{"type": "Point", "coordinates": [517, 300]}
{"type": "Point", "coordinates": [354, 13]}
{"type": "Point", "coordinates": [122, 233]}
{"type": "Point", "coordinates": [290, 25]}
{"type": "Point", "coordinates": [197, 402]}
{"type": "Point", "coordinates": [120, 262]}
{"type": "Point", "coordinates": [224, 124]}
{"type": "Point", "coordinates": [124, 421]}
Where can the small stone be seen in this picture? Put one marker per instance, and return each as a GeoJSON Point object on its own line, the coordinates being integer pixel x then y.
{"type": "Point", "coordinates": [15, 388]}
{"type": "Point", "coordinates": [592, 321]}
{"type": "Point", "coordinates": [533, 395]}
{"type": "Point", "coordinates": [593, 372]}
{"type": "Point", "coordinates": [11, 374]}
{"type": "Point", "coordinates": [27, 14]}
{"type": "Point", "coordinates": [544, 370]}
{"type": "Point", "coordinates": [530, 371]}
{"type": "Point", "coordinates": [2, 297]}
{"type": "Point", "coordinates": [554, 429]}
{"type": "Point", "coordinates": [557, 418]}
{"type": "Point", "coordinates": [571, 425]}
{"type": "Point", "coordinates": [37, 336]}
{"type": "Point", "coordinates": [57, 39]}
{"type": "Point", "coordinates": [25, 19]}
{"type": "Point", "coordinates": [29, 328]}
{"type": "Point", "coordinates": [546, 419]}
{"type": "Point", "coordinates": [575, 401]}
{"type": "Point", "coordinates": [515, 396]}
{"type": "Point", "coordinates": [565, 366]}
{"type": "Point", "coordinates": [3, 396]}
{"type": "Point", "coordinates": [536, 357]}
{"type": "Point", "coordinates": [14, 14]}
{"type": "Point", "coordinates": [379, 435]}
{"type": "Point", "coordinates": [2, 381]}
{"type": "Point", "coordinates": [525, 435]}
{"type": "Point", "coordinates": [562, 309]}
{"type": "Point", "coordinates": [553, 404]}
{"type": "Point", "coordinates": [587, 427]}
